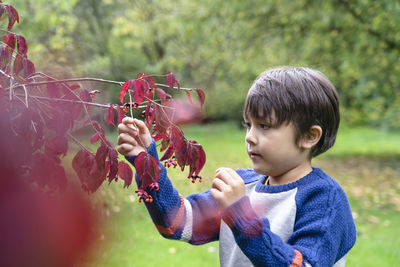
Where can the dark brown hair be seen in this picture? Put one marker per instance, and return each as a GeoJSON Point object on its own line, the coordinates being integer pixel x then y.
{"type": "Point", "coordinates": [302, 96]}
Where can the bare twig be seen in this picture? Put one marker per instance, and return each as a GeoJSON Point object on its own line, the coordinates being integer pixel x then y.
{"type": "Point", "coordinates": [75, 80]}
{"type": "Point", "coordinates": [76, 141]}
{"type": "Point", "coordinates": [130, 99]}
{"type": "Point", "coordinates": [180, 88]}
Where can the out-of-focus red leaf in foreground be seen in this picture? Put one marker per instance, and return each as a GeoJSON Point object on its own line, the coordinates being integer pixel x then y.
{"type": "Point", "coordinates": [39, 228]}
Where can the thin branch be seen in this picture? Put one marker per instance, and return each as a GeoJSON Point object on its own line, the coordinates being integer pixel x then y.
{"type": "Point", "coordinates": [70, 101]}
{"type": "Point", "coordinates": [158, 104]}
{"type": "Point", "coordinates": [75, 80]}
{"type": "Point", "coordinates": [130, 99]}
{"type": "Point", "coordinates": [180, 88]}
{"type": "Point", "coordinates": [76, 141]}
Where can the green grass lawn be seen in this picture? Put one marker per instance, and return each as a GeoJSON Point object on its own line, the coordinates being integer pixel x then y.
{"type": "Point", "coordinates": [364, 161]}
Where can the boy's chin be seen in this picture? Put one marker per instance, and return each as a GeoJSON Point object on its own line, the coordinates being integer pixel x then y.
{"type": "Point", "coordinates": [260, 170]}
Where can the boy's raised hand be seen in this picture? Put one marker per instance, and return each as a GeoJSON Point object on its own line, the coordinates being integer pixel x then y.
{"type": "Point", "coordinates": [227, 187]}
{"type": "Point", "coordinates": [133, 140]}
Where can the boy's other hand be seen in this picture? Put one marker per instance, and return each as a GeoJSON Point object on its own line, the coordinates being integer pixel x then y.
{"type": "Point", "coordinates": [227, 187]}
{"type": "Point", "coordinates": [133, 140]}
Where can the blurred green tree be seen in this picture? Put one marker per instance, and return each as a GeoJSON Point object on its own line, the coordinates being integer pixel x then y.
{"type": "Point", "coordinates": [223, 45]}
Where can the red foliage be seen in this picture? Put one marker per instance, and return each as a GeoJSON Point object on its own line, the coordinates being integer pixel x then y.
{"type": "Point", "coordinates": [12, 16]}
{"type": "Point", "coordinates": [38, 227]}
{"type": "Point", "coordinates": [110, 116]}
{"type": "Point", "coordinates": [43, 114]}
{"type": "Point", "coordinates": [125, 173]}
{"type": "Point", "coordinates": [172, 80]}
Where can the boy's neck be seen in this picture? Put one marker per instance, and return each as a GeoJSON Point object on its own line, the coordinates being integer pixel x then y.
{"type": "Point", "coordinates": [291, 175]}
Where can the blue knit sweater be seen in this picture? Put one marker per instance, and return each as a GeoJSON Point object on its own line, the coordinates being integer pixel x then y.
{"type": "Point", "coordinates": [304, 223]}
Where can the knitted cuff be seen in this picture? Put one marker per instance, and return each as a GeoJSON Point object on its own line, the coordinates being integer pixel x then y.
{"type": "Point", "coordinates": [241, 218]}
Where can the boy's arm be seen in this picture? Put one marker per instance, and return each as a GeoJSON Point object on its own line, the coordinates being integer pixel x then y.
{"type": "Point", "coordinates": [194, 219]}
{"type": "Point", "coordinates": [320, 238]}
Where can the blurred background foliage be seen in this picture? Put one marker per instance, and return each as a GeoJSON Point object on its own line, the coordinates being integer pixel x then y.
{"type": "Point", "coordinates": [221, 46]}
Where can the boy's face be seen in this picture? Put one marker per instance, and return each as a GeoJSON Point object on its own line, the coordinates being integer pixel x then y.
{"type": "Point", "coordinates": [273, 150]}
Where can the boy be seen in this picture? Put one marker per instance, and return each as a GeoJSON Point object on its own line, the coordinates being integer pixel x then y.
{"type": "Point", "coordinates": [283, 212]}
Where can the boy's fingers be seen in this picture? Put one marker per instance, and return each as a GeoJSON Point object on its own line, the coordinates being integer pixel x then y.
{"type": "Point", "coordinates": [124, 128]}
{"type": "Point", "coordinates": [215, 193]}
{"type": "Point", "coordinates": [127, 120]}
{"type": "Point", "coordinates": [224, 174]}
{"type": "Point", "coordinates": [219, 185]}
{"type": "Point", "coordinates": [126, 138]}
{"type": "Point", "coordinates": [142, 126]}
{"type": "Point", "coordinates": [124, 148]}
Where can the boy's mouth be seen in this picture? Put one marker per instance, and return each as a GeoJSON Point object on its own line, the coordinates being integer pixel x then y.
{"type": "Point", "coordinates": [253, 155]}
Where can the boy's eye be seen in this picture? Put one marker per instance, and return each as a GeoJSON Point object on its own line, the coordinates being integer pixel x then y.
{"type": "Point", "coordinates": [246, 124]}
{"type": "Point", "coordinates": [264, 126]}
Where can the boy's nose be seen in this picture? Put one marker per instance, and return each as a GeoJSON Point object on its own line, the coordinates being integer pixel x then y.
{"type": "Point", "coordinates": [250, 137]}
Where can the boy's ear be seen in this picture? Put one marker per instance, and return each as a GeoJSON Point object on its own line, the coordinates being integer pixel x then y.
{"type": "Point", "coordinates": [312, 137]}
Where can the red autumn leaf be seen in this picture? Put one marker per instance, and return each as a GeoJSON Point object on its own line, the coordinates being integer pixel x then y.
{"type": "Point", "coordinates": [125, 173]}
{"type": "Point", "coordinates": [101, 155]}
{"type": "Point", "coordinates": [53, 90]}
{"type": "Point", "coordinates": [57, 146]}
{"type": "Point", "coordinates": [195, 158]}
{"type": "Point", "coordinates": [165, 98]}
{"type": "Point", "coordinates": [124, 90]}
{"type": "Point", "coordinates": [22, 45]}
{"type": "Point", "coordinates": [147, 169]}
{"type": "Point", "coordinates": [113, 157]}
{"type": "Point", "coordinates": [201, 96]}
{"type": "Point", "coordinates": [139, 91]}
{"type": "Point", "coordinates": [12, 16]}
{"type": "Point", "coordinates": [171, 80]}
{"type": "Point", "coordinates": [168, 154]}
{"type": "Point", "coordinates": [110, 116]}
{"type": "Point", "coordinates": [95, 137]}
{"type": "Point", "coordinates": [191, 157]}
{"type": "Point", "coordinates": [121, 114]}
{"type": "Point", "coordinates": [179, 142]}
{"type": "Point", "coordinates": [201, 160]}
{"type": "Point", "coordinates": [189, 97]}
{"type": "Point", "coordinates": [148, 82]}
{"type": "Point", "coordinates": [5, 59]}
{"type": "Point", "coordinates": [85, 96]}
{"type": "Point", "coordinates": [46, 172]}
{"type": "Point", "coordinates": [180, 153]}
{"type": "Point", "coordinates": [92, 170]}
{"type": "Point", "coordinates": [176, 137]}
{"type": "Point", "coordinates": [149, 116]}
{"type": "Point", "coordinates": [161, 118]}
{"type": "Point", "coordinates": [83, 163]}
{"type": "Point", "coordinates": [164, 143]}
{"type": "Point", "coordinates": [18, 66]}
{"type": "Point", "coordinates": [74, 87]}
{"type": "Point", "coordinates": [151, 81]}
{"type": "Point", "coordinates": [61, 121]}
{"type": "Point", "coordinates": [29, 67]}
{"type": "Point", "coordinates": [9, 40]}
